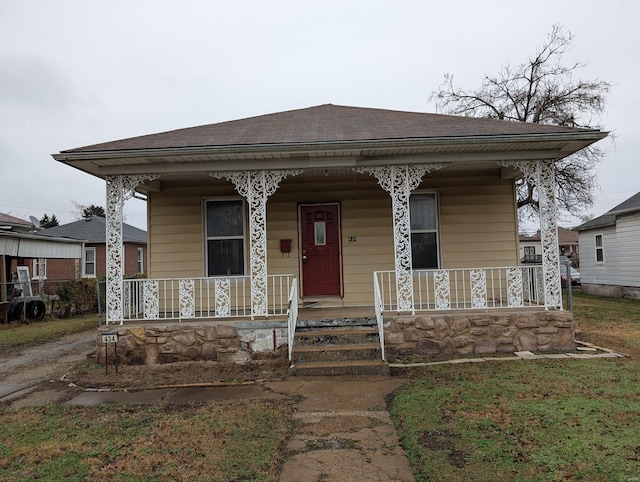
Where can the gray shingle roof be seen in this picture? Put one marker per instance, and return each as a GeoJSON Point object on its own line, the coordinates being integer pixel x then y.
{"type": "Point", "coordinates": [93, 230]}
{"type": "Point", "coordinates": [327, 123]}
{"type": "Point", "coordinates": [609, 218]}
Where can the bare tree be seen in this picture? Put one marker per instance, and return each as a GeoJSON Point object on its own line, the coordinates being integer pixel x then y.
{"type": "Point", "coordinates": [541, 90]}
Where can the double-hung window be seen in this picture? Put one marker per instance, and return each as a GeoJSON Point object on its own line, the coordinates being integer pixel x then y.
{"type": "Point", "coordinates": [423, 212]}
{"type": "Point", "coordinates": [89, 262]}
{"type": "Point", "coordinates": [140, 260]}
{"type": "Point", "coordinates": [225, 237]}
{"type": "Point", "coordinates": [599, 248]}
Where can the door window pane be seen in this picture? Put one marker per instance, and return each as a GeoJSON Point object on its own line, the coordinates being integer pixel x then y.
{"type": "Point", "coordinates": [320, 233]}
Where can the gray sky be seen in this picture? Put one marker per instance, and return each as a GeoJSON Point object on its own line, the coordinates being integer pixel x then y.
{"type": "Point", "coordinates": [78, 72]}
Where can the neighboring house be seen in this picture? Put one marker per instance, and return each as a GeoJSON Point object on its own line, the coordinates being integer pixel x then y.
{"type": "Point", "coordinates": [92, 264]}
{"type": "Point", "coordinates": [609, 245]}
{"type": "Point", "coordinates": [400, 212]}
{"type": "Point", "coordinates": [20, 245]}
{"type": "Point", "coordinates": [531, 246]}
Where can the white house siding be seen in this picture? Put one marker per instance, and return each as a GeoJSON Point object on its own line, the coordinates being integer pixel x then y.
{"type": "Point", "coordinates": [478, 225]}
{"type": "Point", "coordinates": [592, 272]}
{"type": "Point", "coordinates": [628, 235]}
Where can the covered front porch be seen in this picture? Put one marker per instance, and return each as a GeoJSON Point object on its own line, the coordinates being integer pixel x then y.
{"type": "Point", "coordinates": [405, 214]}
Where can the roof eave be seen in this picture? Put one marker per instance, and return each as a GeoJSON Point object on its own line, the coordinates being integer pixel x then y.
{"type": "Point", "coordinates": [584, 136]}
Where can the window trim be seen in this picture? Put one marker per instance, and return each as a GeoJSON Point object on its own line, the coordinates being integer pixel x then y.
{"type": "Point", "coordinates": [36, 272]}
{"type": "Point", "coordinates": [206, 239]}
{"type": "Point", "coordinates": [84, 262]}
{"type": "Point", "coordinates": [140, 260]}
{"type": "Point", "coordinates": [436, 230]}
{"type": "Point", "coordinates": [599, 248]}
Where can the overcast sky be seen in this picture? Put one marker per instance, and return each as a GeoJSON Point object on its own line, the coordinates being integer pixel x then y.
{"type": "Point", "coordinates": [78, 72]}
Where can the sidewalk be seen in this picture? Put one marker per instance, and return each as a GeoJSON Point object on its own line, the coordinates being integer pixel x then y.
{"type": "Point", "coordinates": [344, 432]}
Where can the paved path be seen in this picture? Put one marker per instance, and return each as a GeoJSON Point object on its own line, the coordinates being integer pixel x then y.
{"type": "Point", "coordinates": [343, 431]}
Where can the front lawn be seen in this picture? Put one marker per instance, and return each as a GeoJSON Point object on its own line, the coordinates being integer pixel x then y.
{"type": "Point", "coordinates": [243, 440]}
{"type": "Point", "coordinates": [531, 420]}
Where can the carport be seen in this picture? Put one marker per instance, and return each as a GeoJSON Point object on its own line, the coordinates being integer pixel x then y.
{"type": "Point", "coordinates": [23, 246]}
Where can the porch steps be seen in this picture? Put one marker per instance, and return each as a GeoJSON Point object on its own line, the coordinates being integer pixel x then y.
{"type": "Point", "coordinates": [338, 350]}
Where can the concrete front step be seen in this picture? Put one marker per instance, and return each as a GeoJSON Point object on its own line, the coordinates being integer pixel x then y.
{"type": "Point", "coordinates": [335, 368]}
{"type": "Point", "coordinates": [336, 336]}
{"type": "Point", "coordinates": [317, 353]}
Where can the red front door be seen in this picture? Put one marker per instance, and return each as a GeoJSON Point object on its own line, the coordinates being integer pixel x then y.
{"type": "Point", "coordinates": [321, 261]}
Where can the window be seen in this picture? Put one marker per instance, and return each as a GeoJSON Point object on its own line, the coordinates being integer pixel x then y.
{"type": "Point", "coordinates": [529, 251]}
{"type": "Point", "coordinates": [423, 213]}
{"type": "Point", "coordinates": [225, 236]}
{"type": "Point", "coordinates": [40, 268]}
{"type": "Point", "coordinates": [140, 260]}
{"type": "Point", "coordinates": [89, 263]}
{"type": "Point", "coordinates": [599, 249]}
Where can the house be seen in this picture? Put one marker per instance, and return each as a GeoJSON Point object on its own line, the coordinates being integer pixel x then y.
{"type": "Point", "coordinates": [19, 246]}
{"type": "Point", "coordinates": [609, 265]}
{"type": "Point", "coordinates": [410, 216]}
{"type": "Point", "coordinates": [92, 230]}
{"type": "Point", "coordinates": [531, 246]}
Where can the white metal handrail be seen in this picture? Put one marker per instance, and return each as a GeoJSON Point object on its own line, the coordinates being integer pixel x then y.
{"type": "Point", "coordinates": [292, 318]}
{"type": "Point", "coordinates": [379, 307]}
{"type": "Point", "coordinates": [509, 287]}
{"type": "Point", "coordinates": [201, 298]}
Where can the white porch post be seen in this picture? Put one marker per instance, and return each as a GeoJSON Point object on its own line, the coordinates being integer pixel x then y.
{"type": "Point", "coordinates": [542, 175]}
{"type": "Point", "coordinates": [119, 189]}
{"type": "Point", "coordinates": [256, 187]}
{"type": "Point", "coordinates": [399, 181]}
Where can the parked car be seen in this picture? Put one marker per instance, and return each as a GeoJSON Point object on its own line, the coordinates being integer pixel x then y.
{"type": "Point", "coordinates": [573, 273]}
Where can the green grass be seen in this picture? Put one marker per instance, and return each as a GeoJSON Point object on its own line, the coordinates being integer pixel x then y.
{"type": "Point", "coordinates": [15, 335]}
{"type": "Point", "coordinates": [531, 420]}
{"type": "Point", "coordinates": [217, 442]}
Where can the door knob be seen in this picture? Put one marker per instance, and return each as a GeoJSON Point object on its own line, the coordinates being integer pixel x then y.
{"type": "Point", "coordinates": [304, 259]}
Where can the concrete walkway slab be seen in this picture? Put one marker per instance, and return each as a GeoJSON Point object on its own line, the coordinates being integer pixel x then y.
{"type": "Point", "coordinates": [90, 399]}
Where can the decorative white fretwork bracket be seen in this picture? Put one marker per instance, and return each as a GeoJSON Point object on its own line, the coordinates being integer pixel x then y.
{"type": "Point", "coordinates": [399, 181]}
{"type": "Point", "coordinates": [541, 174]}
{"type": "Point", "coordinates": [256, 187]}
{"type": "Point", "coordinates": [119, 189]}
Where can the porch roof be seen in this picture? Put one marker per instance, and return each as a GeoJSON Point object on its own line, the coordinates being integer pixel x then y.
{"type": "Point", "coordinates": [329, 136]}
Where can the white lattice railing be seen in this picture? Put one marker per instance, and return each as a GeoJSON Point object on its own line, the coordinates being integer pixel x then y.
{"type": "Point", "coordinates": [466, 289]}
{"type": "Point", "coordinates": [199, 298]}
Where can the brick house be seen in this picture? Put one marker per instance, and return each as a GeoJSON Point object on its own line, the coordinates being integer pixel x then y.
{"type": "Point", "coordinates": [93, 263]}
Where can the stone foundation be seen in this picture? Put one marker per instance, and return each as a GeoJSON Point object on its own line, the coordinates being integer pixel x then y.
{"type": "Point", "coordinates": [429, 336]}
{"type": "Point", "coordinates": [612, 291]}
{"type": "Point", "coordinates": [172, 343]}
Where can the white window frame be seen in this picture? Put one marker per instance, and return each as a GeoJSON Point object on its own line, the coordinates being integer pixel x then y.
{"type": "Point", "coordinates": [84, 262]}
{"type": "Point", "coordinates": [39, 269]}
{"type": "Point", "coordinates": [599, 248]}
{"type": "Point", "coordinates": [141, 260]}
{"type": "Point", "coordinates": [207, 238]}
{"type": "Point", "coordinates": [436, 230]}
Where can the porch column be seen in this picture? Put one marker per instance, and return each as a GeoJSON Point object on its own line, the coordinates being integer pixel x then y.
{"type": "Point", "coordinates": [119, 189]}
{"type": "Point", "coordinates": [256, 187]}
{"type": "Point", "coordinates": [399, 181]}
{"type": "Point", "coordinates": [542, 175]}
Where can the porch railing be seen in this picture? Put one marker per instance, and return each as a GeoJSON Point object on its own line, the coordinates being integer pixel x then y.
{"type": "Point", "coordinates": [201, 298]}
{"type": "Point", "coordinates": [464, 289]}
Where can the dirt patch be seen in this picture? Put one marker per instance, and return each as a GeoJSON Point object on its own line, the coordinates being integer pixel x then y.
{"type": "Point", "coordinates": [266, 366]}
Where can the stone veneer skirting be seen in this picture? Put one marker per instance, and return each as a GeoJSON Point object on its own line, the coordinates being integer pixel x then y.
{"type": "Point", "coordinates": [427, 336]}
{"type": "Point", "coordinates": [151, 345]}
{"type": "Point", "coordinates": [406, 337]}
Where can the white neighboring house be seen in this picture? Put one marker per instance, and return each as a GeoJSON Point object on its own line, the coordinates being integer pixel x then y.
{"type": "Point", "coordinates": [609, 265]}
